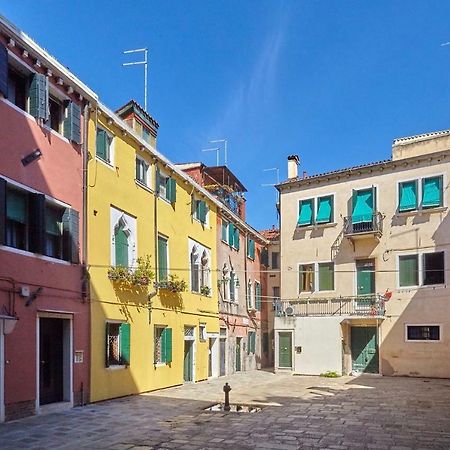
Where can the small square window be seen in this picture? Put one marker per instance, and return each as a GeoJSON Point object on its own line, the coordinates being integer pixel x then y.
{"type": "Point", "coordinates": [142, 171]}
{"type": "Point", "coordinates": [104, 145]}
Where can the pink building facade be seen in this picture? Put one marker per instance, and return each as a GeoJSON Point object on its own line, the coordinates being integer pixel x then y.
{"type": "Point", "coordinates": [44, 313]}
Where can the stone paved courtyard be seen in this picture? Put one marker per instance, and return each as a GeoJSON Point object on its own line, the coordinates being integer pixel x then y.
{"type": "Point", "coordinates": [298, 412]}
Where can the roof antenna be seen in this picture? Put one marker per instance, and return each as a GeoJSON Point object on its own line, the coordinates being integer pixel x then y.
{"type": "Point", "coordinates": [145, 64]}
{"type": "Point", "coordinates": [224, 142]}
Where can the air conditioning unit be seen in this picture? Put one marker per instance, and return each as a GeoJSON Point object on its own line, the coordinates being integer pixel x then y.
{"type": "Point", "coordinates": [289, 311]}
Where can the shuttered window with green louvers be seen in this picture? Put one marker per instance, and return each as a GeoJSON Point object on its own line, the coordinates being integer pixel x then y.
{"type": "Point", "coordinates": [72, 122]}
{"type": "Point", "coordinates": [251, 342]}
{"type": "Point", "coordinates": [224, 231]}
{"type": "Point", "coordinates": [236, 238]}
{"type": "Point", "coordinates": [124, 338]}
{"type": "Point", "coordinates": [407, 196]}
{"type": "Point", "coordinates": [432, 192]}
{"type": "Point", "coordinates": [4, 71]}
{"type": "Point", "coordinates": [103, 145]}
{"type": "Point", "coordinates": [408, 270]}
{"type": "Point", "coordinates": [162, 259]}
{"type": "Point", "coordinates": [121, 247]}
{"type": "Point", "coordinates": [163, 345]}
{"type": "Point", "coordinates": [258, 295]}
{"type": "Point", "coordinates": [231, 235]}
{"type": "Point", "coordinates": [250, 248]}
{"type": "Point", "coordinates": [118, 343]}
{"type": "Point", "coordinates": [171, 190]}
{"type": "Point", "coordinates": [324, 209]}
{"type": "Point", "coordinates": [306, 212]}
{"type": "Point", "coordinates": [39, 97]}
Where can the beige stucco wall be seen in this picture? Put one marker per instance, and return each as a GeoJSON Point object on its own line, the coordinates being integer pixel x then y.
{"type": "Point", "coordinates": [406, 233]}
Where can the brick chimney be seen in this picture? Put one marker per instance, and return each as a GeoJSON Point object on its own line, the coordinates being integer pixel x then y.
{"type": "Point", "coordinates": [293, 162]}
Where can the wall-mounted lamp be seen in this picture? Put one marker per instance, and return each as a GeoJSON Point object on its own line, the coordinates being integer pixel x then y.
{"type": "Point", "coordinates": [9, 323]}
{"type": "Point", "coordinates": [31, 157]}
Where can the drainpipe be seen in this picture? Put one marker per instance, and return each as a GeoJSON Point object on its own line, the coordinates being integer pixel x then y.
{"type": "Point", "coordinates": [85, 194]}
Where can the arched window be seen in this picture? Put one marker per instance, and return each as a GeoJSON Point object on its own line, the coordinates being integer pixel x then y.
{"type": "Point", "coordinates": [194, 257]}
{"type": "Point", "coordinates": [232, 286]}
{"type": "Point", "coordinates": [225, 273]}
{"type": "Point", "coordinates": [249, 295]}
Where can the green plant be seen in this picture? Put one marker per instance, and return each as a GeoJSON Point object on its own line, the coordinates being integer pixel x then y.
{"type": "Point", "coordinates": [172, 284]}
{"type": "Point", "coordinates": [141, 275]}
{"type": "Point", "coordinates": [205, 290]}
{"type": "Point", "coordinates": [330, 374]}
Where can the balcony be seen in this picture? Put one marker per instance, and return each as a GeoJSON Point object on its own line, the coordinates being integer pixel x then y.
{"type": "Point", "coordinates": [364, 226]}
{"type": "Point", "coordinates": [363, 306]}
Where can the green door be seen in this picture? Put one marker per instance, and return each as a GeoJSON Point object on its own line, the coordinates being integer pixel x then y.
{"type": "Point", "coordinates": [364, 349]}
{"type": "Point", "coordinates": [285, 350]}
{"type": "Point", "coordinates": [188, 361]}
{"type": "Point", "coordinates": [365, 282]}
{"type": "Point", "coordinates": [238, 354]}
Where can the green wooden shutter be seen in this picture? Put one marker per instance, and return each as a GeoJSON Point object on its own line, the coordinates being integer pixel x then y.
{"type": "Point", "coordinates": [224, 231]}
{"type": "Point", "coordinates": [172, 190]}
{"type": "Point", "coordinates": [265, 257]}
{"type": "Point", "coordinates": [2, 211]}
{"type": "Point", "coordinates": [432, 192]}
{"type": "Point", "coordinates": [16, 206]}
{"type": "Point", "coordinates": [231, 234]}
{"type": "Point", "coordinates": [324, 209]}
{"type": "Point", "coordinates": [162, 259]}
{"type": "Point", "coordinates": [124, 339]}
{"type": "Point", "coordinates": [201, 212]}
{"type": "Point", "coordinates": [36, 214]}
{"type": "Point", "coordinates": [71, 235]}
{"type": "Point", "coordinates": [249, 342]}
{"type": "Point", "coordinates": [258, 296]}
{"type": "Point", "coordinates": [407, 196]}
{"type": "Point", "coordinates": [121, 247]}
{"type": "Point", "coordinates": [38, 94]}
{"type": "Point", "coordinates": [254, 342]}
{"type": "Point", "coordinates": [4, 71]}
{"type": "Point", "coordinates": [236, 238]}
{"type": "Point", "coordinates": [101, 144]}
{"type": "Point", "coordinates": [250, 248]}
{"type": "Point", "coordinates": [72, 122]}
{"type": "Point", "coordinates": [326, 276]}
{"type": "Point", "coordinates": [167, 341]}
{"type": "Point", "coordinates": [305, 216]}
{"type": "Point", "coordinates": [408, 270]}
{"type": "Point", "coordinates": [106, 344]}
{"type": "Point", "coordinates": [157, 180]}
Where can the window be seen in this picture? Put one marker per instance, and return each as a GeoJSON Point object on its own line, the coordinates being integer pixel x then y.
{"type": "Point", "coordinates": [163, 269]}
{"type": "Point", "coordinates": [306, 274]}
{"type": "Point", "coordinates": [408, 270]}
{"type": "Point", "coordinates": [250, 248]}
{"type": "Point", "coordinates": [426, 269]}
{"type": "Point", "coordinates": [121, 245]}
{"type": "Point", "coordinates": [104, 145]}
{"type": "Point", "coordinates": [408, 196]}
{"type": "Point", "coordinates": [423, 332]}
{"type": "Point", "coordinates": [249, 295]}
{"type": "Point", "coordinates": [433, 268]}
{"type": "Point", "coordinates": [54, 231]}
{"type": "Point", "coordinates": [200, 211]}
{"type": "Point", "coordinates": [117, 344]}
{"type": "Point", "coordinates": [275, 260]}
{"type": "Point", "coordinates": [232, 286]}
{"type": "Point", "coordinates": [363, 207]}
{"type": "Point", "coordinates": [306, 212]}
{"type": "Point", "coordinates": [432, 192]}
{"type": "Point", "coordinates": [326, 276]}
{"type": "Point", "coordinates": [35, 224]}
{"type": "Point", "coordinates": [324, 209]}
{"type": "Point", "coordinates": [258, 295]}
{"type": "Point", "coordinates": [17, 89]}
{"type": "Point", "coordinates": [202, 332]}
{"type": "Point", "coordinates": [276, 292]}
{"type": "Point", "coordinates": [162, 345]}
{"type": "Point", "coordinates": [225, 225]}
{"type": "Point", "coordinates": [17, 219]}
{"type": "Point", "coordinates": [251, 342]}
{"type": "Point", "coordinates": [55, 114]}
{"type": "Point", "coordinates": [166, 187]}
{"type": "Point", "coordinates": [200, 266]}
{"type": "Point", "coordinates": [226, 282]}
{"type": "Point", "coordinates": [142, 171]}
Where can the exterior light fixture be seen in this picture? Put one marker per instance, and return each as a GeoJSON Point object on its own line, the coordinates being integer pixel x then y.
{"type": "Point", "coordinates": [31, 157]}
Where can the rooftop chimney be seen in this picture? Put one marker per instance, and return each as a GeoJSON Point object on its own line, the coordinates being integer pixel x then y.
{"type": "Point", "coordinates": [293, 162]}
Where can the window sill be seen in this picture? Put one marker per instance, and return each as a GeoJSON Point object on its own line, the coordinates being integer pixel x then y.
{"type": "Point", "coordinates": [165, 200]}
{"type": "Point", "coordinates": [422, 286]}
{"type": "Point", "coordinates": [316, 226]}
{"type": "Point", "coordinates": [143, 186]}
{"type": "Point", "coordinates": [118, 367]}
{"type": "Point", "coordinates": [35, 255]}
{"type": "Point", "coordinates": [105, 163]}
{"type": "Point", "coordinates": [56, 133]}
{"type": "Point", "coordinates": [421, 211]}
{"type": "Point", "coordinates": [159, 364]}
{"type": "Point", "coordinates": [426, 341]}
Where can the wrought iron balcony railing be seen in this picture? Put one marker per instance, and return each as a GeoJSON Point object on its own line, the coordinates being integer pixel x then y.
{"type": "Point", "coordinates": [354, 225]}
{"type": "Point", "coordinates": [359, 306]}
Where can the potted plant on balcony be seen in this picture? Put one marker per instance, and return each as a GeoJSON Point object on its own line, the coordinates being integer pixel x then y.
{"type": "Point", "coordinates": [205, 290]}
{"type": "Point", "coordinates": [172, 284]}
{"type": "Point", "coordinates": [141, 275]}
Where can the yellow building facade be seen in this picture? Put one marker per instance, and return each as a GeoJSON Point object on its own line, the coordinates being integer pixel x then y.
{"type": "Point", "coordinates": [152, 266]}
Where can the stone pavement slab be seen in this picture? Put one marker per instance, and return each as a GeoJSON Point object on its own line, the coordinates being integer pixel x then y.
{"type": "Point", "coordinates": [297, 412]}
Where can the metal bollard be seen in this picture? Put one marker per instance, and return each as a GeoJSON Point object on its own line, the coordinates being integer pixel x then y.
{"type": "Point", "coordinates": [227, 389]}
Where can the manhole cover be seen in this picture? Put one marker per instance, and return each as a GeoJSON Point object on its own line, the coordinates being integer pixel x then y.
{"type": "Point", "coordinates": [219, 407]}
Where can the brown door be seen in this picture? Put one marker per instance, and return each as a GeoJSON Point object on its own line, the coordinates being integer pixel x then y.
{"type": "Point", "coordinates": [51, 348]}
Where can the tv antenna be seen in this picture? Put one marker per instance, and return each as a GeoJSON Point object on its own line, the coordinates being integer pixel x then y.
{"type": "Point", "coordinates": [140, 63]}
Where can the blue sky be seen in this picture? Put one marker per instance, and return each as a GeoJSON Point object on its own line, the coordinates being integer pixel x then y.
{"type": "Point", "coordinates": [332, 81]}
